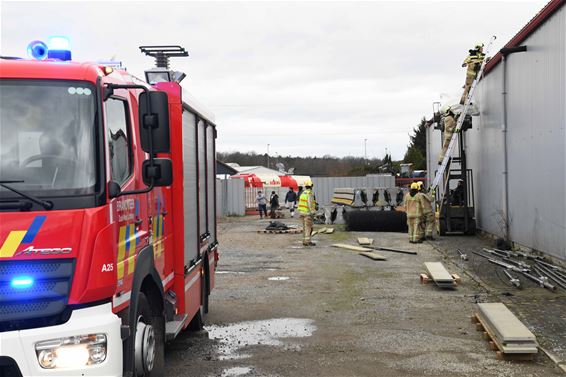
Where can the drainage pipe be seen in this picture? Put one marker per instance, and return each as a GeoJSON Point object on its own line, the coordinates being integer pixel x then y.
{"type": "Point", "coordinates": [505, 52]}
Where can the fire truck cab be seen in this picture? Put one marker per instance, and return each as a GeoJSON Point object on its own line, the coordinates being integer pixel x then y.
{"type": "Point", "coordinates": [108, 242]}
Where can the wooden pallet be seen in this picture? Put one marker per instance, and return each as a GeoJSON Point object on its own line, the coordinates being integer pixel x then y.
{"type": "Point", "coordinates": [286, 231]}
{"type": "Point", "coordinates": [494, 346]}
{"type": "Point", "coordinates": [425, 279]}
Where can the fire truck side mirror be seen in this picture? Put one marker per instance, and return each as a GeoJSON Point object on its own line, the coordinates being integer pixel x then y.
{"type": "Point", "coordinates": [114, 190]}
{"type": "Point", "coordinates": [161, 172]}
{"type": "Point", "coordinates": [156, 122]}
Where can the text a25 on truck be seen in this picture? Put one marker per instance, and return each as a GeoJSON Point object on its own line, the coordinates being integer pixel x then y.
{"type": "Point", "coordinates": [107, 218]}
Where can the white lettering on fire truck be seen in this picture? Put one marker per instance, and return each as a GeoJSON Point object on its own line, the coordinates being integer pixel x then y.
{"type": "Point", "coordinates": [107, 267]}
{"type": "Point", "coordinates": [47, 251]}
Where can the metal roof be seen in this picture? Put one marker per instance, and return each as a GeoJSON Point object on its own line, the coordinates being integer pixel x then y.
{"type": "Point", "coordinates": [546, 12]}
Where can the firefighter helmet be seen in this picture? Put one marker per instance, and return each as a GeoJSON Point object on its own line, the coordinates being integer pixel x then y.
{"type": "Point", "coordinates": [308, 183]}
{"type": "Point", "coordinates": [414, 186]}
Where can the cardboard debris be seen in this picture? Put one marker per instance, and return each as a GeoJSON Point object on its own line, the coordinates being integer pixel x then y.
{"type": "Point", "coordinates": [365, 241]}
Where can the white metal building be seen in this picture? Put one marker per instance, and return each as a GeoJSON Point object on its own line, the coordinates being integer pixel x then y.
{"type": "Point", "coordinates": [517, 146]}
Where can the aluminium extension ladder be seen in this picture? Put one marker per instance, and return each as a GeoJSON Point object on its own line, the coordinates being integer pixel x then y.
{"type": "Point", "coordinates": [453, 140]}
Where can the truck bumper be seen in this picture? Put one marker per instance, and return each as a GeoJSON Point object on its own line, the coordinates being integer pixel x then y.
{"type": "Point", "coordinates": [20, 345]}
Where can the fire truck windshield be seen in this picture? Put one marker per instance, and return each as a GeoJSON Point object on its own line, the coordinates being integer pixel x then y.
{"type": "Point", "coordinates": [47, 131]}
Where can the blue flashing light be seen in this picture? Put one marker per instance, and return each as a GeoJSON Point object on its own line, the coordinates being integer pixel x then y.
{"type": "Point", "coordinates": [21, 282]}
{"type": "Point", "coordinates": [37, 50]}
{"type": "Point", "coordinates": [59, 43]}
{"type": "Point", "coordinates": [59, 48]}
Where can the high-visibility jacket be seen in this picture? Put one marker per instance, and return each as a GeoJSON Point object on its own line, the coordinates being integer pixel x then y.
{"type": "Point", "coordinates": [426, 202]}
{"type": "Point", "coordinates": [413, 207]}
{"type": "Point", "coordinates": [473, 62]}
{"type": "Point", "coordinates": [449, 124]}
{"type": "Point", "coordinates": [307, 202]}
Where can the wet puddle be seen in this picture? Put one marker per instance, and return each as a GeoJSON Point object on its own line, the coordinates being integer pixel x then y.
{"type": "Point", "coordinates": [279, 278]}
{"type": "Point", "coordinates": [272, 332]}
{"type": "Point", "coordinates": [229, 272]}
{"type": "Point", "coordinates": [236, 371]}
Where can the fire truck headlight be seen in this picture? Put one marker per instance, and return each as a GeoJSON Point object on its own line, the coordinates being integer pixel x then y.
{"type": "Point", "coordinates": [71, 352]}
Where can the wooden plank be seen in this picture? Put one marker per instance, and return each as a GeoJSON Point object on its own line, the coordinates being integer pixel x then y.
{"type": "Point", "coordinates": [329, 231]}
{"type": "Point", "coordinates": [351, 247]}
{"type": "Point", "coordinates": [365, 241]}
{"type": "Point", "coordinates": [373, 255]}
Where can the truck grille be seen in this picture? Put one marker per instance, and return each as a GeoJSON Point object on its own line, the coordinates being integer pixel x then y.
{"type": "Point", "coordinates": [43, 302]}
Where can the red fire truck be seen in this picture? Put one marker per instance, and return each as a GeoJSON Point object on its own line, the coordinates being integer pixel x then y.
{"type": "Point", "coordinates": [108, 241]}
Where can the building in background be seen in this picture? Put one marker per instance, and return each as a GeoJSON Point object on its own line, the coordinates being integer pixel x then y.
{"type": "Point", "coordinates": [517, 146]}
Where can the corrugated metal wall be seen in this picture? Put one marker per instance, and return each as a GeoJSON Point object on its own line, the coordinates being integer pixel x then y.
{"type": "Point", "coordinates": [324, 186]}
{"type": "Point", "coordinates": [536, 141]}
{"type": "Point", "coordinates": [230, 197]}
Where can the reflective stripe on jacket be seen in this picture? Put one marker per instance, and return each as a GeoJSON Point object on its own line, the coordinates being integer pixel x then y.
{"type": "Point", "coordinates": [412, 206]}
{"type": "Point", "coordinates": [307, 203]}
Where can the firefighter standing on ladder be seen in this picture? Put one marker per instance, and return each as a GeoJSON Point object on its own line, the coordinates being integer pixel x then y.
{"type": "Point", "coordinates": [449, 127]}
{"type": "Point", "coordinates": [473, 62]}
{"type": "Point", "coordinates": [307, 210]}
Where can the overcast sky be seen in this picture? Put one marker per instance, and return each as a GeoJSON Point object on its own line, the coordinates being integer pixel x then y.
{"type": "Point", "coordinates": [308, 78]}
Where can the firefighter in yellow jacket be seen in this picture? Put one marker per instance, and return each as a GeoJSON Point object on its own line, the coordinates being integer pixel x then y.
{"type": "Point", "coordinates": [414, 210]}
{"type": "Point", "coordinates": [307, 210]}
{"type": "Point", "coordinates": [449, 127]}
{"type": "Point", "coordinates": [473, 63]}
{"type": "Point", "coordinates": [427, 219]}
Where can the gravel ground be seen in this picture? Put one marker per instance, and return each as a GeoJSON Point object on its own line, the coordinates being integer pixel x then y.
{"type": "Point", "coordinates": [279, 309]}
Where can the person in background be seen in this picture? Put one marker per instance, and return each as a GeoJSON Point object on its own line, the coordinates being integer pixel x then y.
{"type": "Point", "coordinates": [262, 204]}
{"type": "Point", "coordinates": [458, 194]}
{"type": "Point", "coordinates": [414, 211]}
{"type": "Point", "coordinates": [274, 204]}
{"type": "Point", "coordinates": [291, 201]}
{"type": "Point", "coordinates": [427, 220]}
{"type": "Point", "coordinates": [307, 210]}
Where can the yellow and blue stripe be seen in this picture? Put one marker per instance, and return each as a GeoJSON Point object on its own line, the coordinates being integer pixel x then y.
{"type": "Point", "coordinates": [18, 237]}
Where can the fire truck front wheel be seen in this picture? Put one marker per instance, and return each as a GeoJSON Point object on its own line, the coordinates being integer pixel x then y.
{"type": "Point", "coordinates": [148, 341]}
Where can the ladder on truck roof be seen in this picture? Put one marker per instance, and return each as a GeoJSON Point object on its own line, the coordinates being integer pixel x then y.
{"type": "Point", "coordinates": [447, 156]}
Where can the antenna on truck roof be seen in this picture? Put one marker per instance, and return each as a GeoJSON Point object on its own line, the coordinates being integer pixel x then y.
{"type": "Point", "coordinates": [163, 53]}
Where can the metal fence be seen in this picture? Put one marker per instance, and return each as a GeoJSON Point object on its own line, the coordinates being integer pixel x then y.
{"type": "Point", "coordinates": [230, 197]}
{"type": "Point", "coordinates": [233, 198]}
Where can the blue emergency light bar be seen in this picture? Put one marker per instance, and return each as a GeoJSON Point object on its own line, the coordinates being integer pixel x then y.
{"type": "Point", "coordinates": [57, 47]}
{"type": "Point", "coordinates": [21, 282]}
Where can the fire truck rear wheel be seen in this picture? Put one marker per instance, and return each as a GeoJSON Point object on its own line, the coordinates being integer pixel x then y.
{"type": "Point", "coordinates": [148, 342]}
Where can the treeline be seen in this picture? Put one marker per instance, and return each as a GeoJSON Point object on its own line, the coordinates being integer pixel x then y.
{"type": "Point", "coordinates": [313, 166]}
{"type": "Point", "coordinates": [339, 167]}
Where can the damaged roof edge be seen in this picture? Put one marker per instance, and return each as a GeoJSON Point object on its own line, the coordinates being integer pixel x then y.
{"type": "Point", "coordinates": [527, 30]}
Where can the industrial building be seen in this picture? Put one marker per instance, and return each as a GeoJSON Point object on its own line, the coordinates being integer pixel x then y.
{"type": "Point", "coordinates": [517, 145]}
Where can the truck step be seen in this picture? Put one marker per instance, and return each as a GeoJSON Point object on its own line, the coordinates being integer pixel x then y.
{"type": "Point", "coordinates": [174, 327]}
